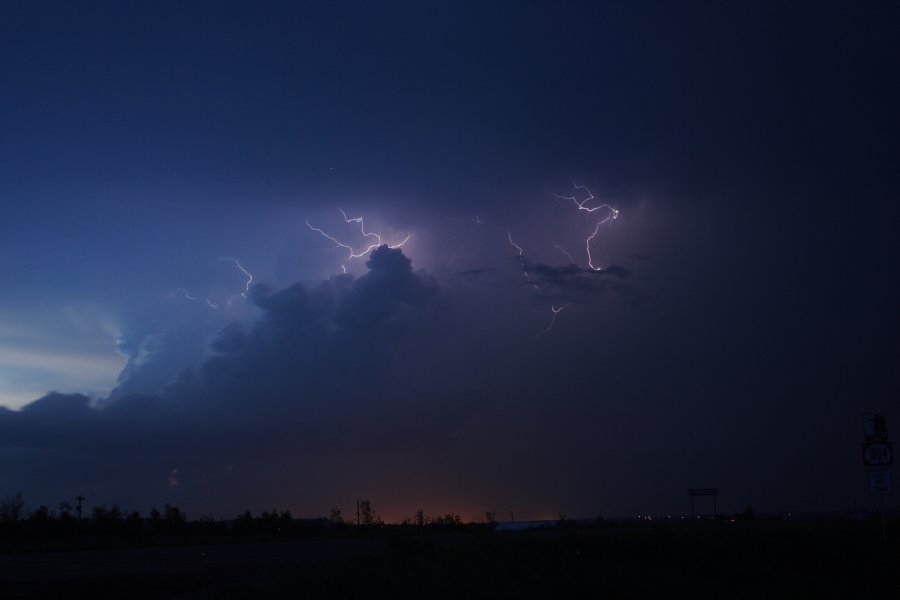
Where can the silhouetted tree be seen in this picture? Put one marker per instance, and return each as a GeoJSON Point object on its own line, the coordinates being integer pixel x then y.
{"type": "Point", "coordinates": [155, 520]}
{"type": "Point", "coordinates": [41, 514]}
{"type": "Point", "coordinates": [41, 519]}
{"type": "Point", "coordinates": [367, 514]}
{"type": "Point", "coordinates": [336, 517]}
{"type": "Point", "coordinates": [106, 521]}
{"type": "Point", "coordinates": [12, 508]}
{"type": "Point", "coordinates": [448, 520]}
{"type": "Point", "coordinates": [491, 517]}
{"type": "Point", "coordinates": [274, 523]}
{"type": "Point", "coordinates": [420, 518]}
{"type": "Point", "coordinates": [133, 523]}
{"type": "Point", "coordinates": [174, 515]}
{"type": "Point", "coordinates": [206, 525]}
{"type": "Point", "coordinates": [243, 523]}
{"type": "Point", "coordinates": [65, 510]}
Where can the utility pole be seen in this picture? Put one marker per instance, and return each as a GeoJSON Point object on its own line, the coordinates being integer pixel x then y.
{"type": "Point", "coordinates": [79, 498]}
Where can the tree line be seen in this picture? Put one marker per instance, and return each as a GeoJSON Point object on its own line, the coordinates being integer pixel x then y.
{"type": "Point", "coordinates": [102, 524]}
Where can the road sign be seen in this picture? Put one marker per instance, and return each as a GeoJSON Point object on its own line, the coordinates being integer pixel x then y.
{"type": "Point", "coordinates": [875, 427]}
{"type": "Point", "coordinates": [878, 454]}
{"type": "Point", "coordinates": [880, 480]}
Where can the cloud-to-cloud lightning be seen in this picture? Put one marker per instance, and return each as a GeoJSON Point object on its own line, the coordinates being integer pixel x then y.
{"type": "Point", "coordinates": [556, 311]}
{"type": "Point", "coordinates": [243, 270]}
{"type": "Point", "coordinates": [566, 252]}
{"type": "Point", "coordinates": [521, 260]}
{"type": "Point", "coordinates": [611, 214]}
{"type": "Point", "coordinates": [187, 296]}
{"type": "Point", "coordinates": [351, 253]}
{"type": "Point", "coordinates": [607, 213]}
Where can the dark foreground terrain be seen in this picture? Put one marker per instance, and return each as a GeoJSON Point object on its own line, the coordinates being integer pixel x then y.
{"type": "Point", "coordinates": [811, 559]}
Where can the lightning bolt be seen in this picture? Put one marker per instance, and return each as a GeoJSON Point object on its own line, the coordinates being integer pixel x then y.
{"type": "Point", "coordinates": [587, 243]}
{"type": "Point", "coordinates": [187, 296]}
{"type": "Point", "coordinates": [521, 258]}
{"type": "Point", "coordinates": [243, 270]}
{"type": "Point", "coordinates": [401, 244]}
{"type": "Point", "coordinates": [362, 230]}
{"type": "Point", "coordinates": [555, 311]}
{"type": "Point", "coordinates": [513, 244]}
{"type": "Point", "coordinates": [564, 251]}
{"type": "Point", "coordinates": [351, 253]}
{"type": "Point", "coordinates": [612, 214]}
{"type": "Point", "coordinates": [583, 202]}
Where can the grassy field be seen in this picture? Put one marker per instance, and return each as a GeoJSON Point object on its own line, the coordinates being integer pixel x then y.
{"type": "Point", "coordinates": [761, 559]}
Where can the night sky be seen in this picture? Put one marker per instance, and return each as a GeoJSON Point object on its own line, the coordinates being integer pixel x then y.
{"type": "Point", "coordinates": [740, 164]}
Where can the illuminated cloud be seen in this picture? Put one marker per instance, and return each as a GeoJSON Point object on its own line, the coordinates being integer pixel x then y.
{"type": "Point", "coordinates": [317, 357]}
{"type": "Point", "coordinates": [72, 349]}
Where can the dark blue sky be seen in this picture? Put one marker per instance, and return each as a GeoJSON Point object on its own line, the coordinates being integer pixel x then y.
{"type": "Point", "coordinates": [745, 319]}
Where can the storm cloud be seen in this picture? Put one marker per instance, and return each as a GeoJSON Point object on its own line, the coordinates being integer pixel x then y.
{"type": "Point", "coordinates": [319, 363]}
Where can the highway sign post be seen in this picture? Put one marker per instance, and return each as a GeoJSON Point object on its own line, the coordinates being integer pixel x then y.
{"type": "Point", "coordinates": [875, 428]}
{"type": "Point", "coordinates": [878, 456]}
{"type": "Point", "coordinates": [880, 481]}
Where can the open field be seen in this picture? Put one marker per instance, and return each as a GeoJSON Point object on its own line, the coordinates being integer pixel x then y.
{"type": "Point", "coordinates": [811, 559]}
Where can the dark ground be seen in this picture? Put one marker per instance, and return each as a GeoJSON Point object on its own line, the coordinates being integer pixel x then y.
{"type": "Point", "coordinates": [809, 559]}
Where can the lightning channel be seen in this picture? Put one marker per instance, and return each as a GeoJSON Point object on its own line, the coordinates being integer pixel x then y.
{"type": "Point", "coordinates": [521, 259]}
{"type": "Point", "coordinates": [564, 251]}
{"type": "Point", "coordinates": [351, 252]}
{"type": "Point", "coordinates": [401, 244]}
{"type": "Point", "coordinates": [555, 311]}
{"type": "Point", "coordinates": [612, 214]}
{"type": "Point", "coordinates": [187, 296]}
{"type": "Point", "coordinates": [587, 242]}
{"type": "Point", "coordinates": [243, 270]}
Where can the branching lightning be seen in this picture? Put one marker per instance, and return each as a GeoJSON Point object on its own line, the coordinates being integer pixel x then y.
{"type": "Point", "coordinates": [187, 296]}
{"type": "Point", "coordinates": [584, 200]}
{"type": "Point", "coordinates": [587, 242]}
{"type": "Point", "coordinates": [555, 311]}
{"type": "Point", "coordinates": [362, 230]}
{"type": "Point", "coordinates": [612, 214]}
{"type": "Point", "coordinates": [351, 253]}
{"type": "Point", "coordinates": [184, 293]}
{"type": "Point", "coordinates": [582, 204]}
